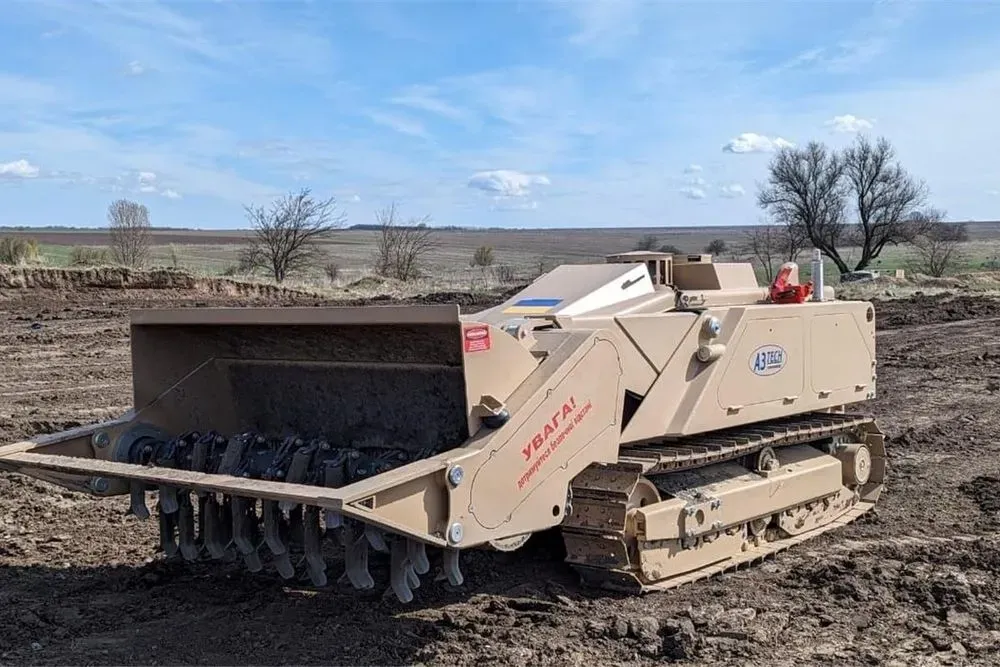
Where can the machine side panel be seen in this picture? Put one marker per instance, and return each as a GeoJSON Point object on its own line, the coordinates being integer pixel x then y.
{"type": "Point", "coordinates": [770, 361]}
{"type": "Point", "coordinates": [766, 365]}
{"type": "Point", "coordinates": [836, 342]}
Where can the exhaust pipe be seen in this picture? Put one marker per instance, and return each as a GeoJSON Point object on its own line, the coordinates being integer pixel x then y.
{"type": "Point", "coordinates": [817, 275]}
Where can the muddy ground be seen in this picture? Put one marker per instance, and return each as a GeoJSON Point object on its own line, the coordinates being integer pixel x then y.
{"type": "Point", "coordinates": [915, 582]}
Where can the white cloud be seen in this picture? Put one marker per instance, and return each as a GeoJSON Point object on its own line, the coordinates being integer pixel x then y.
{"type": "Point", "coordinates": [355, 198]}
{"type": "Point", "coordinates": [425, 98]}
{"type": "Point", "coordinates": [804, 58]}
{"type": "Point", "coordinates": [171, 194]}
{"type": "Point", "coordinates": [993, 193]}
{"type": "Point", "coordinates": [147, 188]}
{"type": "Point", "coordinates": [135, 68]}
{"type": "Point", "coordinates": [506, 182]}
{"type": "Point", "coordinates": [18, 169]}
{"type": "Point", "coordinates": [608, 138]}
{"type": "Point", "coordinates": [751, 142]}
{"type": "Point", "coordinates": [400, 124]}
{"type": "Point", "coordinates": [146, 177]}
{"type": "Point", "coordinates": [849, 123]}
{"type": "Point", "coordinates": [732, 190]}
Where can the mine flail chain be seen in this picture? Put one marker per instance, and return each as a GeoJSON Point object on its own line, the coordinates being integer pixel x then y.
{"type": "Point", "coordinates": [227, 527]}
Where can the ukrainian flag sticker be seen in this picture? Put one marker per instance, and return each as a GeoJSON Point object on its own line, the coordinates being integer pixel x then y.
{"type": "Point", "coordinates": [532, 306]}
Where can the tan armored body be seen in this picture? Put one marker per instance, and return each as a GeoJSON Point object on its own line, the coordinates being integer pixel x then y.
{"type": "Point", "coordinates": [664, 411]}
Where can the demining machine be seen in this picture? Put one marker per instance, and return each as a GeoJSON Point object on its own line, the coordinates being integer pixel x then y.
{"type": "Point", "coordinates": [667, 414]}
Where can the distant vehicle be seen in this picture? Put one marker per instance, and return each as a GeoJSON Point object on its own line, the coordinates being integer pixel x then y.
{"type": "Point", "coordinates": [858, 276]}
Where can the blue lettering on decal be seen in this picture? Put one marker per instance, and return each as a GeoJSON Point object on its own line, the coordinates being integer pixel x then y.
{"type": "Point", "coordinates": [767, 360]}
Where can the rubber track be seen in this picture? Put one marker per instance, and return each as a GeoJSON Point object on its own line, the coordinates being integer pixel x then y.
{"type": "Point", "coordinates": [605, 489]}
{"type": "Point", "coordinates": [728, 444]}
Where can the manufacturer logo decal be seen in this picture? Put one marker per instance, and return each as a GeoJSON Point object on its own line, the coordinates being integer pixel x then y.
{"type": "Point", "coordinates": [767, 360]}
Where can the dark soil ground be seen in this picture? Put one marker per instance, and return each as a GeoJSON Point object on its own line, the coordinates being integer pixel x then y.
{"type": "Point", "coordinates": [915, 582]}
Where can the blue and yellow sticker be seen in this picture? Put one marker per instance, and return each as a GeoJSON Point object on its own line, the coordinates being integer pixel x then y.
{"type": "Point", "coordinates": [532, 306]}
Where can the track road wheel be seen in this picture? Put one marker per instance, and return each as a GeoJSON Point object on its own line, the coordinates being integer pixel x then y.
{"type": "Point", "coordinates": [758, 527]}
{"type": "Point", "coordinates": [752, 492]}
{"type": "Point", "coordinates": [766, 460]}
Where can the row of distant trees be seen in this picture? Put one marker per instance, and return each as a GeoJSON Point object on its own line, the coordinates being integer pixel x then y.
{"type": "Point", "coordinates": [858, 199]}
{"type": "Point", "coordinates": [287, 236]}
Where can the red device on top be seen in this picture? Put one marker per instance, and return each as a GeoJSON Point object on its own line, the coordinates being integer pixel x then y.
{"type": "Point", "coordinates": [784, 292]}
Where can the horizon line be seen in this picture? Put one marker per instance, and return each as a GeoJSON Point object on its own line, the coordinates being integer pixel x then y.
{"type": "Point", "coordinates": [443, 228]}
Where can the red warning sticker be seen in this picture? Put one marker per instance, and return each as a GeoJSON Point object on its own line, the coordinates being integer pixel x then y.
{"type": "Point", "coordinates": [477, 339]}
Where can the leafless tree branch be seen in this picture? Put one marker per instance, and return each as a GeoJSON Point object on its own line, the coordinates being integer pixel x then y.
{"type": "Point", "coordinates": [884, 197]}
{"type": "Point", "coordinates": [401, 247]}
{"type": "Point", "coordinates": [805, 190]}
{"type": "Point", "coordinates": [287, 235]}
{"type": "Point", "coordinates": [130, 232]}
{"type": "Point", "coordinates": [936, 242]}
{"type": "Point", "coordinates": [813, 188]}
{"type": "Point", "coordinates": [771, 245]}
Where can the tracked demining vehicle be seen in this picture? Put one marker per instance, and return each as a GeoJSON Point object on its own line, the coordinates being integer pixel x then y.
{"type": "Point", "coordinates": [670, 416]}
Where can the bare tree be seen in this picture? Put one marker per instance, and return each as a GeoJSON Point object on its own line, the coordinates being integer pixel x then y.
{"type": "Point", "coordinates": [884, 196]}
{"type": "Point", "coordinates": [772, 245]}
{"type": "Point", "coordinates": [805, 189]}
{"type": "Point", "coordinates": [251, 258]}
{"type": "Point", "coordinates": [401, 247]}
{"type": "Point", "coordinates": [937, 242]}
{"type": "Point", "coordinates": [814, 188]}
{"type": "Point", "coordinates": [287, 236]}
{"type": "Point", "coordinates": [482, 257]}
{"type": "Point", "coordinates": [716, 247]}
{"type": "Point", "coordinates": [130, 232]}
{"type": "Point", "coordinates": [647, 242]}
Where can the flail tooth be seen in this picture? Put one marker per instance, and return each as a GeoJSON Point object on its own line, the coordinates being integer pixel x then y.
{"type": "Point", "coordinates": [185, 528]}
{"type": "Point", "coordinates": [228, 527]}
{"type": "Point", "coordinates": [213, 536]}
{"type": "Point", "coordinates": [451, 568]}
{"type": "Point", "coordinates": [272, 534]}
{"type": "Point", "coordinates": [398, 572]}
{"type": "Point", "coordinates": [376, 538]}
{"type": "Point", "coordinates": [168, 526]}
{"type": "Point", "coordinates": [356, 561]}
{"type": "Point", "coordinates": [416, 551]}
{"type": "Point", "coordinates": [137, 500]}
{"type": "Point", "coordinates": [244, 520]}
{"type": "Point", "coordinates": [313, 549]}
{"type": "Point", "coordinates": [168, 499]}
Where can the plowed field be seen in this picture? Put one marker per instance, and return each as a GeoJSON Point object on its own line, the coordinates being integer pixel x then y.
{"type": "Point", "coordinates": [915, 582]}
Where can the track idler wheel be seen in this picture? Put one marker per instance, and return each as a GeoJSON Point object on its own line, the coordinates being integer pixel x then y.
{"type": "Point", "coordinates": [856, 462]}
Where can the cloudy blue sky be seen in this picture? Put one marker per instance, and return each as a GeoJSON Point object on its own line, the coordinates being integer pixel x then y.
{"type": "Point", "coordinates": [531, 113]}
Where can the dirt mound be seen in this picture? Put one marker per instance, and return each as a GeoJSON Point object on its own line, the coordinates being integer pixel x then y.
{"type": "Point", "coordinates": [985, 490]}
{"type": "Point", "coordinates": [933, 309]}
{"type": "Point", "coordinates": [468, 301]}
{"type": "Point", "coordinates": [368, 282]}
{"type": "Point", "coordinates": [124, 278]}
